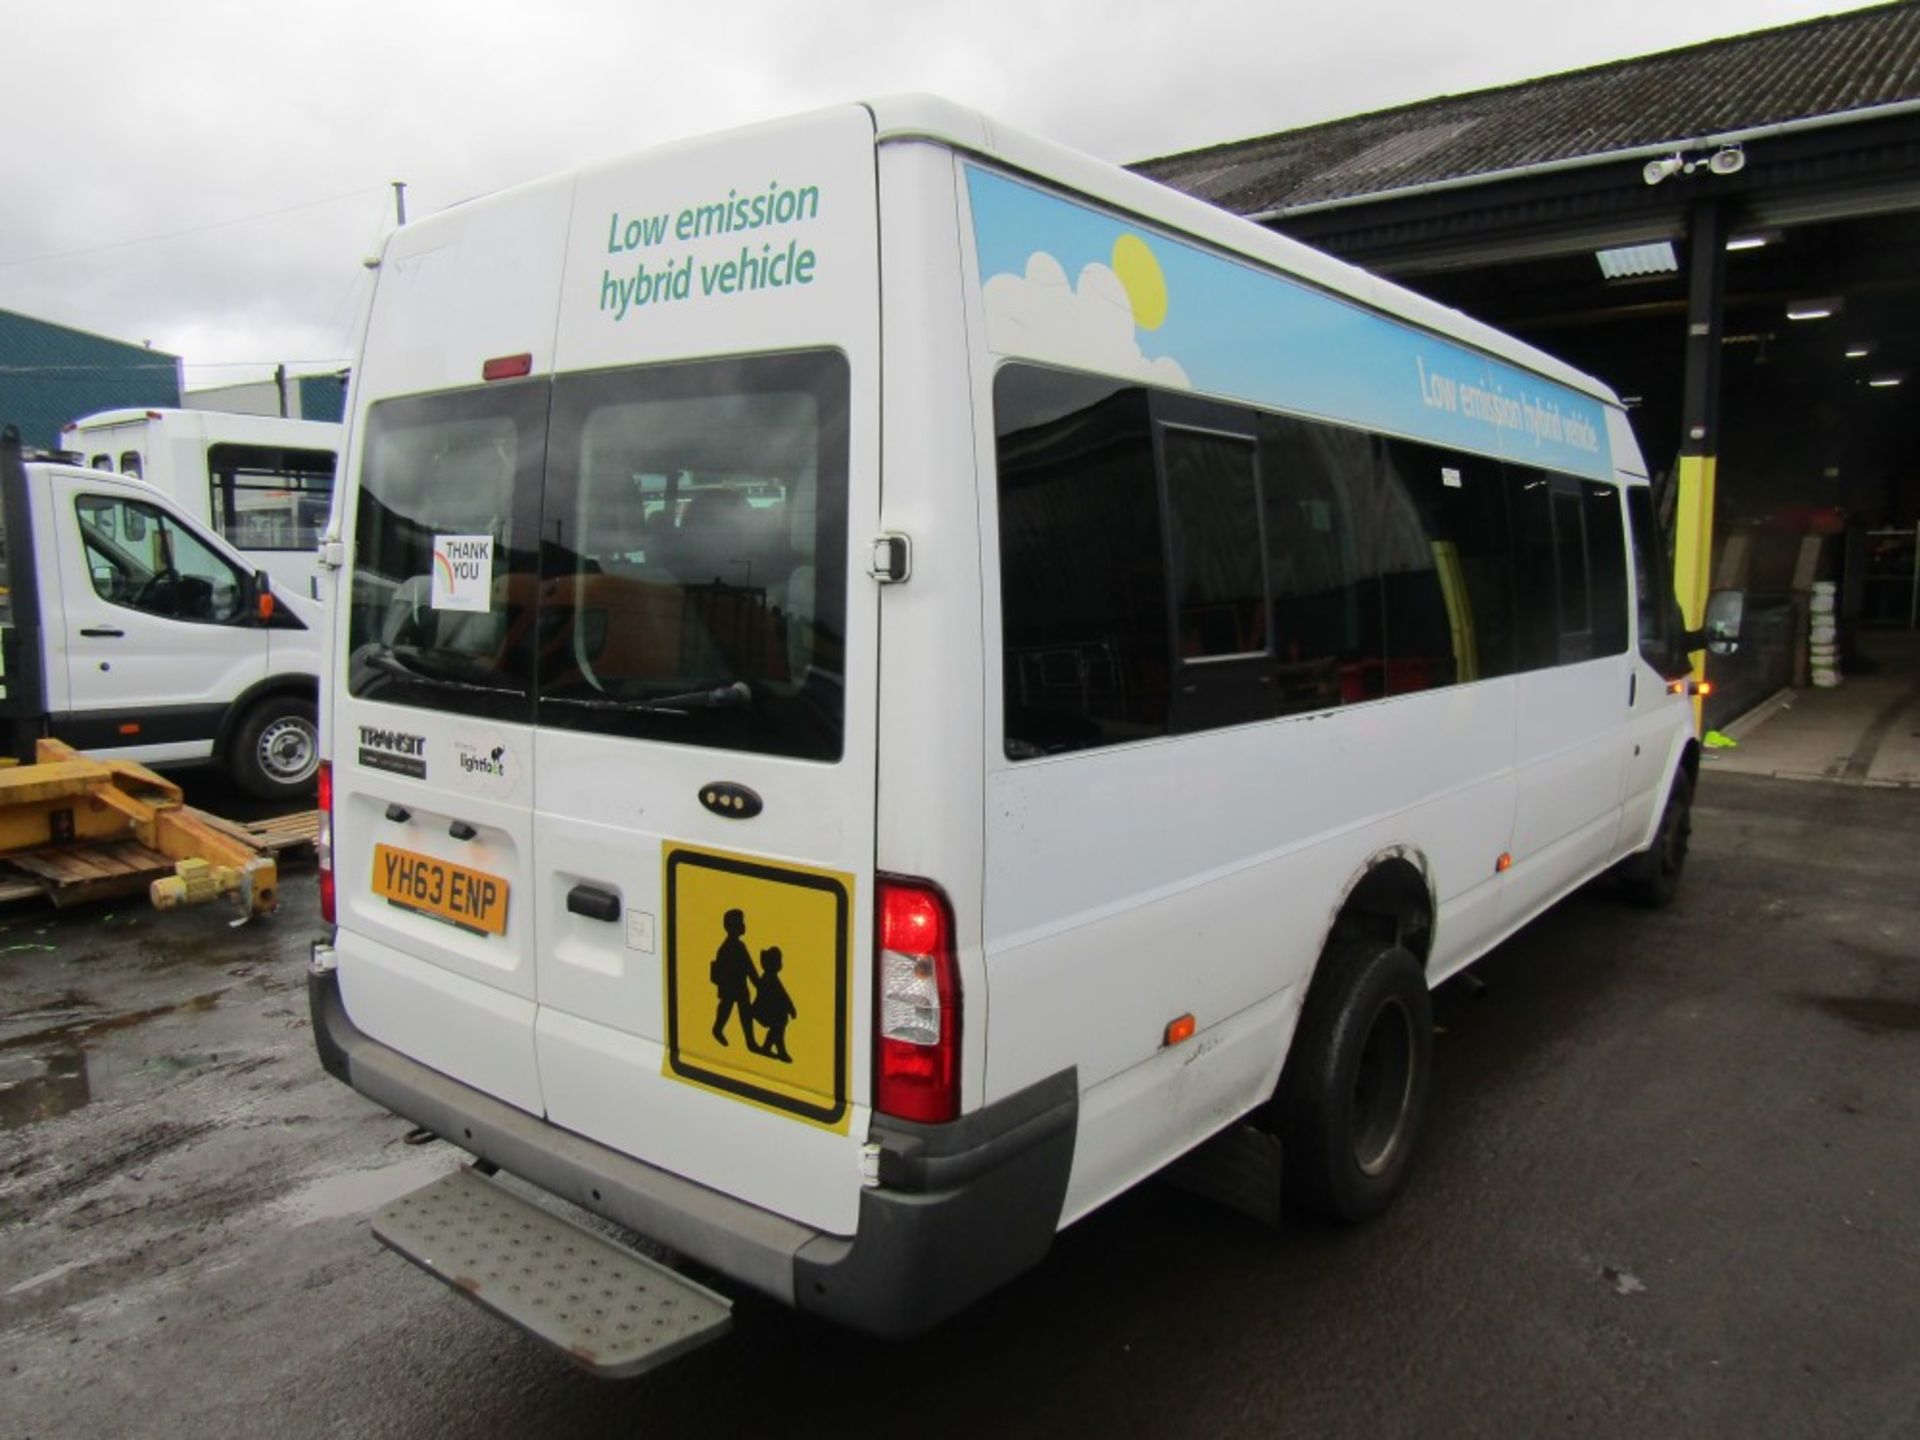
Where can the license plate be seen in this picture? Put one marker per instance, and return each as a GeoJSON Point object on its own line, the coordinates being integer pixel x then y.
{"type": "Point", "coordinates": [470, 899]}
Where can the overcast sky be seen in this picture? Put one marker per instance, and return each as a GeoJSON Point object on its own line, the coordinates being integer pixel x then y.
{"type": "Point", "coordinates": [207, 175]}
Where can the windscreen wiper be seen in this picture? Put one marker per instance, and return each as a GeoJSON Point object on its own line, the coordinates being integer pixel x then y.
{"type": "Point", "coordinates": [735, 696]}
{"type": "Point", "coordinates": [389, 662]}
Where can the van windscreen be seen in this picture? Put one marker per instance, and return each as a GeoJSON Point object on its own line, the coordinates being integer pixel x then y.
{"type": "Point", "coordinates": [690, 580]}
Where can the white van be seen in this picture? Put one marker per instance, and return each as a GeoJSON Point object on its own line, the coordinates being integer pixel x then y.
{"type": "Point", "coordinates": [129, 630]}
{"type": "Point", "coordinates": [263, 483]}
{"type": "Point", "coordinates": [889, 679]}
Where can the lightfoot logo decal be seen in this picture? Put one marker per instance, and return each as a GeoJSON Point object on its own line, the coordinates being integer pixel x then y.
{"type": "Point", "coordinates": [485, 765]}
{"type": "Point", "coordinates": [756, 977]}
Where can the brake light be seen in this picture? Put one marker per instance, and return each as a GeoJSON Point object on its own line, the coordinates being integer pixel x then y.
{"type": "Point", "coordinates": [917, 1025]}
{"type": "Point", "coordinates": [323, 841]}
{"type": "Point", "coordinates": [507, 367]}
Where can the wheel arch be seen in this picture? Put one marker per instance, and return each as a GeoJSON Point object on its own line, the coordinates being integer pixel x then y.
{"type": "Point", "coordinates": [304, 687]}
{"type": "Point", "coordinates": [1390, 896]}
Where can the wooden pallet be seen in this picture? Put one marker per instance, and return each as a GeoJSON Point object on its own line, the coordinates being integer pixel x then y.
{"type": "Point", "coordinates": [283, 836]}
{"type": "Point", "coordinates": [112, 869]}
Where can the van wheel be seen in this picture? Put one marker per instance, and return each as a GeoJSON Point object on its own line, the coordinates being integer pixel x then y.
{"type": "Point", "coordinates": [1354, 1089]}
{"type": "Point", "coordinates": [276, 750]}
{"type": "Point", "coordinates": [1652, 878]}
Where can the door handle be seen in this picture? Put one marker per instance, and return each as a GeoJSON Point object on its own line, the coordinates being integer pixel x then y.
{"type": "Point", "coordinates": [103, 632]}
{"type": "Point", "coordinates": [1633, 688]}
{"type": "Point", "coordinates": [593, 902]}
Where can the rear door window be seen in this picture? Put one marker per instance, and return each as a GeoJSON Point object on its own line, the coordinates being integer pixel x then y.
{"type": "Point", "coordinates": [658, 552]}
{"type": "Point", "coordinates": [443, 596]}
{"type": "Point", "coordinates": [695, 545]}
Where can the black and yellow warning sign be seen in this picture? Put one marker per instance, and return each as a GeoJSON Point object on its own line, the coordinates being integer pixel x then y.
{"type": "Point", "coordinates": [757, 972]}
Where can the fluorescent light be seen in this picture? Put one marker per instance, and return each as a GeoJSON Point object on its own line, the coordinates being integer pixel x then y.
{"type": "Point", "coordinates": [1859, 352]}
{"type": "Point", "coordinates": [1746, 242]}
{"type": "Point", "coordinates": [1884, 382]}
{"type": "Point", "coordinates": [1812, 309]}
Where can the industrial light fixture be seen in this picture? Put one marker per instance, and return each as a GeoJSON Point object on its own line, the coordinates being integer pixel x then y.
{"type": "Point", "coordinates": [1727, 160]}
{"type": "Point", "coordinates": [1821, 309]}
{"type": "Point", "coordinates": [1628, 261]}
{"type": "Point", "coordinates": [1885, 382]}
{"type": "Point", "coordinates": [1746, 242]}
{"type": "Point", "coordinates": [1859, 351]}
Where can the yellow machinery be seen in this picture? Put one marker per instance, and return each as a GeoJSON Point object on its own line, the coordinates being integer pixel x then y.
{"type": "Point", "coordinates": [66, 799]}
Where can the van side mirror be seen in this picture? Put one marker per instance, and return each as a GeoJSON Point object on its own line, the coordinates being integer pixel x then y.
{"type": "Point", "coordinates": [1721, 630]}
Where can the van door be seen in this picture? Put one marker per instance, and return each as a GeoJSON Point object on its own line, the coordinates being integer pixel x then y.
{"type": "Point", "coordinates": [1572, 736]}
{"type": "Point", "coordinates": [159, 637]}
{"type": "Point", "coordinates": [704, 762]}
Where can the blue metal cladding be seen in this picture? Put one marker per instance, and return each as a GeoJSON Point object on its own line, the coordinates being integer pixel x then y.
{"type": "Point", "coordinates": [50, 374]}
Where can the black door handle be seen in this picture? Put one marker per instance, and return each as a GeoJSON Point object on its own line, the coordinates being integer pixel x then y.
{"type": "Point", "coordinates": [593, 902]}
{"type": "Point", "coordinates": [103, 632]}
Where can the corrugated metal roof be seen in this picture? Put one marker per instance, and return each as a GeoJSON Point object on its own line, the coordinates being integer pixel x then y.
{"type": "Point", "coordinates": [1795, 73]}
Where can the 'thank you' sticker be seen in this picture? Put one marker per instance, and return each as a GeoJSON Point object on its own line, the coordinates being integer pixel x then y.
{"type": "Point", "coordinates": [463, 572]}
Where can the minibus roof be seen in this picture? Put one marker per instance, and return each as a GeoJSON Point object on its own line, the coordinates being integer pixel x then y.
{"type": "Point", "coordinates": [928, 117]}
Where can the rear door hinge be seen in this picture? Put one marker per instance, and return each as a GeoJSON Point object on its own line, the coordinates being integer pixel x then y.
{"type": "Point", "coordinates": [332, 554]}
{"type": "Point", "coordinates": [892, 562]}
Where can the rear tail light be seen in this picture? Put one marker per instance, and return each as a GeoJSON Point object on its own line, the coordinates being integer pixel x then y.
{"type": "Point", "coordinates": [323, 842]}
{"type": "Point", "coordinates": [917, 1051]}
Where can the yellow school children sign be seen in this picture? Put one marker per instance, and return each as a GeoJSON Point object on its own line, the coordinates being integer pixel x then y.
{"type": "Point", "coordinates": [756, 969]}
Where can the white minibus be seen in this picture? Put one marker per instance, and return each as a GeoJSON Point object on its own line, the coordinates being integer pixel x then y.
{"type": "Point", "coordinates": [889, 680]}
{"type": "Point", "coordinates": [261, 482]}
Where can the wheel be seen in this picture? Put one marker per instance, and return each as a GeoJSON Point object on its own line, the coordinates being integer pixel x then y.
{"type": "Point", "coordinates": [276, 750]}
{"type": "Point", "coordinates": [1652, 878]}
{"type": "Point", "coordinates": [1354, 1089]}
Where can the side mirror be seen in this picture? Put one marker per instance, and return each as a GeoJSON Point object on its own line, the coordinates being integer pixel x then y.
{"type": "Point", "coordinates": [1725, 611]}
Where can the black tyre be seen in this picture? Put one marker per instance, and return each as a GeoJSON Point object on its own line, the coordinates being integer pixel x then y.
{"type": "Point", "coordinates": [276, 751]}
{"type": "Point", "coordinates": [1354, 1089]}
{"type": "Point", "coordinates": [1652, 878]}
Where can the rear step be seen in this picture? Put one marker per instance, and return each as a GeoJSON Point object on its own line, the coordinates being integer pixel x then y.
{"type": "Point", "coordinates": [614, 1311]}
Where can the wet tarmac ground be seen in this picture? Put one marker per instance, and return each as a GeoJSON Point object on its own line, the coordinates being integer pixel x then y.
{"type": "Point", "coordinates": [1668, 1187]}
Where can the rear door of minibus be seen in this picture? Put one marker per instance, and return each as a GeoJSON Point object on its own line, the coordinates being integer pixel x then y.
{"type": "Point", "coordinates": [704, 759]}
{"type": "Point", "coordinates": [682, 838]}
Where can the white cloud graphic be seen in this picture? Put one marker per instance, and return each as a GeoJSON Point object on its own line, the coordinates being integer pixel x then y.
{"type": "Point", "coordinates": [1089, 326]}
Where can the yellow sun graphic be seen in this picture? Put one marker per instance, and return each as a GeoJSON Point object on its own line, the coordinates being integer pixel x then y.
{"type": "Point", "coordinates": [1140, 275]}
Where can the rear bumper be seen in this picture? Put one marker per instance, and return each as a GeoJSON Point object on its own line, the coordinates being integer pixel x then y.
{"type": "Point", "coordinates": [959, 1210]}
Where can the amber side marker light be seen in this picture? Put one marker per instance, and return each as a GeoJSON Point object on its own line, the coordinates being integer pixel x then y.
{"type": "Point", "coordinates": [1503, 864]}
{"type": "Point", "coordinates": [130, 728]}
{"type": "Point", "coordinates": [1178, 1030]}
{"type": "Point", "coordinates": [1689, 687]}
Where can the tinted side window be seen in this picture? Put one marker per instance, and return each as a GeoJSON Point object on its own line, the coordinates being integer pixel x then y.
{"type": "Point", "coordinates": [1606, 567]}
{"type": "Point", "coordinates": [1652, 598]}
{"type": "Point", "coordinates": [1083, 582]}
{"type": "Point", "coordinates": [1570, 556]}
{"type": "Point", "coordinates": [1323, 564]}
{"type": "Point", "coordinates": [1536, 581]}
{"type": "Point", "coordinates": [1213, 522]}
{"type": "Point", "coordinates": [1450, 617]}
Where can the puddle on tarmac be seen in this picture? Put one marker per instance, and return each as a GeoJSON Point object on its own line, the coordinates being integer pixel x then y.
{"type": "Point", "coordinates": [1875, 1016]}
{"type": "Point", "coordinates": [38, 1087]}
{"type": "Point", "coordinates": [76, 1031]}
{"type": "Point", "coordinates": [358, 1193]}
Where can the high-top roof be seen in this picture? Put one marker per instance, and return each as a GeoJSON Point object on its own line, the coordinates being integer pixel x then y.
{"type": "Point", "coordinates": [1796, 73]}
